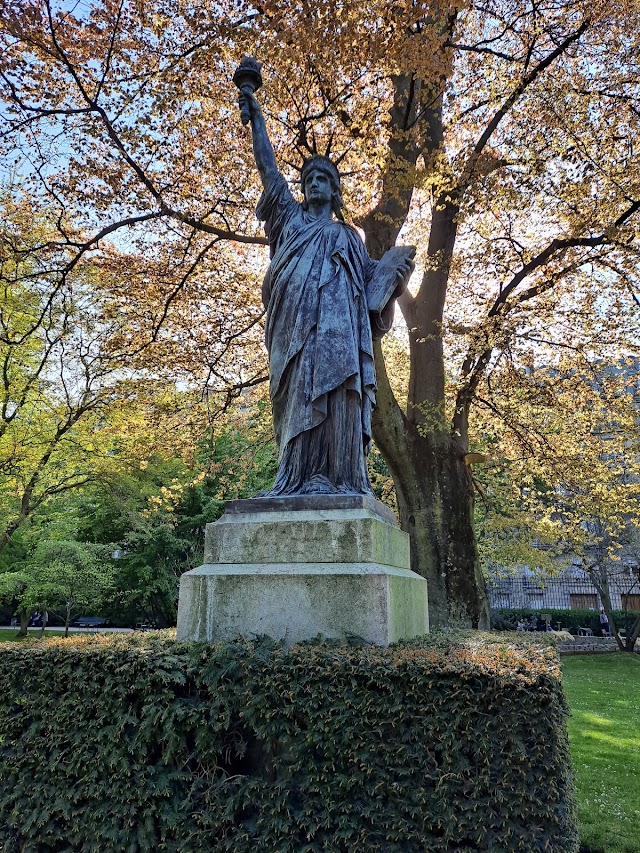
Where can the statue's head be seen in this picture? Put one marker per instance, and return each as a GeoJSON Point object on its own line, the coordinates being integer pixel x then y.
{"type": "Point", "coordinates": [323, 164]}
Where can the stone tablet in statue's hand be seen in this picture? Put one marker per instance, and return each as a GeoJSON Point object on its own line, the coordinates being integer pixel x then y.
{"type": "Point", "coordinates": [390, 277]}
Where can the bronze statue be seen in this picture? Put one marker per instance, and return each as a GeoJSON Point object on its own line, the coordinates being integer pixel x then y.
{"type": "Point", "coordinates": [323, 296]}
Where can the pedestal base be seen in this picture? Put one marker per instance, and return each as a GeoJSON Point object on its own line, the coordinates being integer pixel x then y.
{"type": "Point", "coordinates": [296, 573]}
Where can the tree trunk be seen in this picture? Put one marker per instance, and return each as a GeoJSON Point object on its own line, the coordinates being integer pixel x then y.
{"type": "Point", "coordinates": [600, 581]}
{"type": "Point", "coordinates": [424, 454]}
{"type": "Point", "coordinates": [598, 578]}
{"type": "Point", "coordinates": [632, 635]}
{"type": "Point", "coordinates": [435, 503]}
{"type": "Point", "coordinates": [24, 623]}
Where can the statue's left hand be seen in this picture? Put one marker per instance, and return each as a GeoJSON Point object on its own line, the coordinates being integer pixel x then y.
{"type": "Point", "coordinates": [405, 267]}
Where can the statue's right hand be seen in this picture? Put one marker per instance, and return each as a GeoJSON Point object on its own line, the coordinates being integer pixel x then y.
{"type": "Point", "coordinates": [249, 106]}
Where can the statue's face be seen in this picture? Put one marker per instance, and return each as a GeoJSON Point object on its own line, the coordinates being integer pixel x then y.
{"type": "Point", "coordinates": [317, 188]}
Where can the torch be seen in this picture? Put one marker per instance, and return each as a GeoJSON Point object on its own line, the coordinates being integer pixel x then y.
{"type": "Point", "coordinates": [248, 80]}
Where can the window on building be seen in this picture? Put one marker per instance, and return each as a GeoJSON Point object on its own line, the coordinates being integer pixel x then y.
{"type": "Point", "coordinates": [583, 601]}
{"type": "Point", "coordinates": [630, 602]}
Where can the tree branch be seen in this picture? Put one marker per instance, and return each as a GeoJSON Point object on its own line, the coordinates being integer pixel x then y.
{"type": "Point", "coordinates": [478, 49]}
{"type": "Point", "coordinates": [474, 365]}
{"type": "Point", "coordinates": [164, 209]}
{"type": "Point", "coordinates": [526, 81]}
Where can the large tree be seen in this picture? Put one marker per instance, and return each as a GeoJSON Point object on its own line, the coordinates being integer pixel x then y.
{"type": "Point", "coordinates": [498, 136]}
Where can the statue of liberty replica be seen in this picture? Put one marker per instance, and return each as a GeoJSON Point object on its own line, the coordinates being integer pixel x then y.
{"type": "Point", "coordinates": [325, 298]}
{"type": "Point", "coordinates": [317, 555]}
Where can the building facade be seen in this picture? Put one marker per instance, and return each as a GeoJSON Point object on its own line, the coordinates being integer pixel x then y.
{"type": "Point", "coordinates": [570, 590]}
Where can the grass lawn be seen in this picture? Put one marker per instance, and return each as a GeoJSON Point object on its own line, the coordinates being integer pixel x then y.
{"type": "Point", "coordinates": [604, 729]}
{"type": "Point", "coordinates": [9, 635]}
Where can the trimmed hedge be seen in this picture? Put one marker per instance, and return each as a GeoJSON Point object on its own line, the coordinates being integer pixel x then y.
{"type": "Point", "coordinates": [506, 618]}
{"type": "Point", "coordinates": [145, 744]}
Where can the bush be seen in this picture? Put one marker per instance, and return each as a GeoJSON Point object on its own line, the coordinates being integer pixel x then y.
{"type": "Point", "coordinates": [144, 744]}
{"type": "Point", "coordinates": [506, 618]}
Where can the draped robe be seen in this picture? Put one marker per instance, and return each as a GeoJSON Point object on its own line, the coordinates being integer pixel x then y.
{"type": "Point", "coordinates": [318, 335]}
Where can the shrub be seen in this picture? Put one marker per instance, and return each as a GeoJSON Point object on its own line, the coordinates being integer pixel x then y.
{"type": "Point", "coordinates": [145, 744]}
{"type": "Point", "coordinates": [506, 618]}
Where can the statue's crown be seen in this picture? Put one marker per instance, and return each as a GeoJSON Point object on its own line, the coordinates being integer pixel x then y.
{"type": "Point", "coordinates": [319, 161]}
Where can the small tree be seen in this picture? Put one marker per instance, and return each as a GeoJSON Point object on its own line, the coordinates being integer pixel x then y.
{"type": "Point", "coordinates": [13, 586]}
{"type": "Point", "coordinates": [607, 562]}
{"type": "Point", "coordinates": [563, 480]}
{"type": "Point", "coordinates": [67, 577]}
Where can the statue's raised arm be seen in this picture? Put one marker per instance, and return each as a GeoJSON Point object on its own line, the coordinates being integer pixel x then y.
{"type": "Point", "coordinates": [248, 80]}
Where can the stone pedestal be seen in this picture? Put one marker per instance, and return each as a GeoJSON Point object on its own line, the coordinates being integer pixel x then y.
{"type": "Point", "coordinates": [296, 568]}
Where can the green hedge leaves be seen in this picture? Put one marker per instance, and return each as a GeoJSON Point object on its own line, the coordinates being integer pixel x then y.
{"type": "Point", "coordinates": [143, 744]}
{"type": "Point", "coordinates": [506, 619]}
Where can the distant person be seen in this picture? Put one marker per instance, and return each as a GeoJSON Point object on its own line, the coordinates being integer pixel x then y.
{"type": "Point", "coordinates": [604, 623]}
